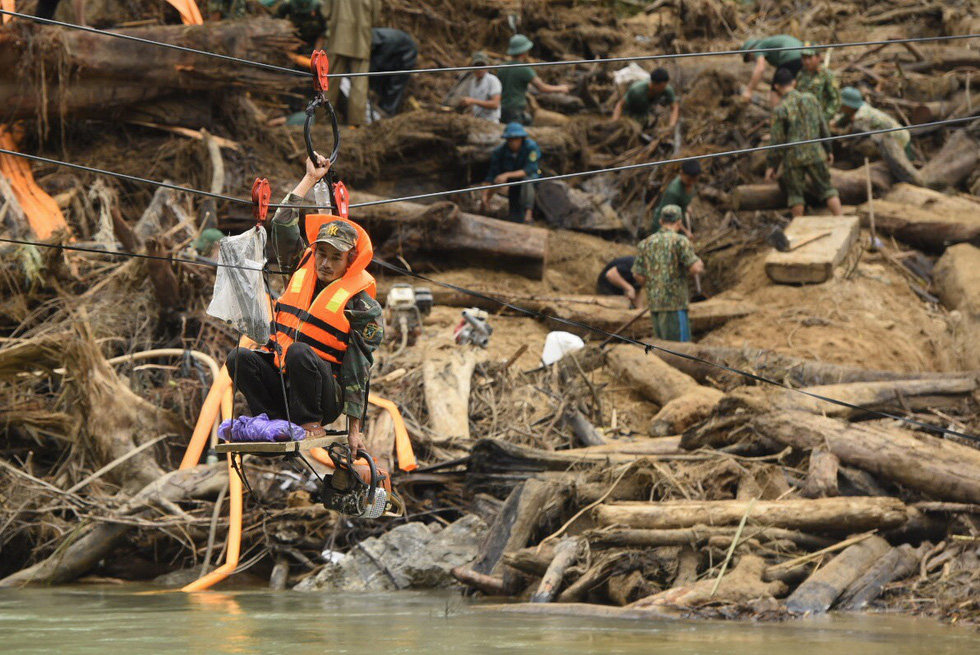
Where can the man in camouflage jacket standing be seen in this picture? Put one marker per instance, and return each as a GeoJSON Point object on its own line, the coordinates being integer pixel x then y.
{"type": "Point", "coordinates": [797, 117]}
{"type": "Point", "coordinates": [820, 82]}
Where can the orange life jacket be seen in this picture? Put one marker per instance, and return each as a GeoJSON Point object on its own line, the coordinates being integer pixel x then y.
{"type": "Point", "coordinates": [320, 322]}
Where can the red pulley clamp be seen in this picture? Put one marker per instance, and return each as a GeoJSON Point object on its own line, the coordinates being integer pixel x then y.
{"type": "Point", "coordinates": [261, 194]}
{"type": "Point", "coordinates": [341, 200]}
{"type": "Point", "coordinates": [320, 67]}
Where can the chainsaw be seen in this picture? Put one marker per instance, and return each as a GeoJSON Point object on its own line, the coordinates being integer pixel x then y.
{"type": "Point", "coordinates": [356, 489]}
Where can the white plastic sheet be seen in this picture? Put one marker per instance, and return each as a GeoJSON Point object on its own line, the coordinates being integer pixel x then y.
{"type": "Point", "coordinates": [239, 291]}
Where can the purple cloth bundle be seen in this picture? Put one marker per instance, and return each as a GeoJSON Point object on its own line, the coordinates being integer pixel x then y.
{"type": "Point", "coordinates": [259, 428]}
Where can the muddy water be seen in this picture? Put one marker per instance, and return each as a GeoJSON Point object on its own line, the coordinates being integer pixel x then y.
{"type": "Point", "coordinates": [105, 621]}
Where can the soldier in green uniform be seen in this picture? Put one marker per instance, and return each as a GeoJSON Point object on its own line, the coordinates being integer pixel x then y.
{"type": "Point", "coordinates": [788, 59]}
{"type": "Point", "coordinates": [664, 261]}
{"type": "Point", "coordinates": [316, 390]}
{"type": "Point", "coordinates": [643, 95]}
{"type": "Point", "coordinates": [517, 159]}
{"type": "Point", "coordinates": [895, 147]}
{"type": "Point", "coordinates": [797, 117]}
{"type": "Point", "coordinates": [307, 16]}
{"type": "Point", "coordinates": [680, 192]}
{"type": "Point", "coordinates": [820, 82]}
{"type": "Point", "coordinates": [514, 81]}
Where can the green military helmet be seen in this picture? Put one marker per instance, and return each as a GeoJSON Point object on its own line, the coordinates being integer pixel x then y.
{"type": "Point", "coordinates": [519, 44]}
{"type": "Point", "coordinates": [851, 97]}
{"type": "Point", "coordinates": [671, 214]}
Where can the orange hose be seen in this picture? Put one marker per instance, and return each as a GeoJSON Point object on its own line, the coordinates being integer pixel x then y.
{"type": "Point", "coordinates": [41, 210]}
{"type": "Point", "coordinates": [8, 5]}
{"type": "Point", "coordinates": [216, 400]}
{"type": "Point", "coordinates": [234, 536]}
{"type": "Point", "coordinates": [403, 445]}
{"type": "Point", "coordinates": [189, 13]}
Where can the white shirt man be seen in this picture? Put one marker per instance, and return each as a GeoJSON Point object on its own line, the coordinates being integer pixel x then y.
{"type": "Point", "coordinates": [482, 91]}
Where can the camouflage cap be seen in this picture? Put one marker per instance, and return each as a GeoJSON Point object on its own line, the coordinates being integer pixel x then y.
{"type": "Point", "coordinates": [339, 234]}
{"type": "Point", "coordinates": [671, 214]}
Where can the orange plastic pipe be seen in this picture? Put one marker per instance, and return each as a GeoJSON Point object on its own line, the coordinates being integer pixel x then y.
{"type": "Point", "coordinates": [403, 445]}
{"type": "Point", "coordinates": [8, 5]}
{"type": "Point", "coordinates": [189, 13]}
{"type": "Point", "coordinates": [234, 536]}
{"type": "Point", "coordinates": [216, 400]}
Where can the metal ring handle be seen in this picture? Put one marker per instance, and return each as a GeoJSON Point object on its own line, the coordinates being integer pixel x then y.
{"type": "Point", "coordinates": [374, 474]}
{"type": "Point", "coordinates": [310, 113]}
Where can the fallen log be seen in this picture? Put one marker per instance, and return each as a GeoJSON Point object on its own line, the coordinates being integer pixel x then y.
{"type": "Point", "coordinates": [469, 240]}
{"type": "Point", "coordinates": [743, 584]}
{"type": "Point", "coordinates": [85, 547]}
{"type": "Point", "coordinates": [940, 468]}
{"type": "Point", "coordinates": [821, 515]}
{"type": "Point", "coordinates": [566, 552]}
{"type": "Point", "coordinates": [591, 579]}
{"type": "Point", "coordinates": [869, 397]}
{"type": "Point", "coordinates": [822, 588]}
{"type": "Point", "coordinates": [932, 230]}
{"type": "Point", "coordinates": [488, 584]}
{"type": "Point", "coordinates": [108, 73]}
{"type": "Point", "coordinates": [489, 456]}
{"type": "Point", "coordinates": [572, 209]}
{"type": "Point", "coordinates": [584, 432]}
{"type": "Point", "coordinates": [851, 185]}
{"type": "Point", "coordinates": [446, 376]}
{"type": "Point", "coordinates": [514, 525]}
{"type": "Point", "coordinates": [683, 401]}
{"type": "Point", "coordinates": [953, 163]}
{"type": "Point", "coordinates": [821, 475]}
{"type": "Point", "coordinates": [697, 535]}
{"type": "Point", "coordinates": [898, 563]}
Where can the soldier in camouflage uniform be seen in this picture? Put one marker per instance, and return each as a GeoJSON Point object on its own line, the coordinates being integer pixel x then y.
{"type": "Point", "coordinates": [664, 261]}
{"type": "Point", "coordinates": [226, 9]}
{"type": "Point", "coordinates": [797, 117]}
{"type": "Point", "coordinates": [820, 82]}
{"type": "Point", "coordinates": [895, 147]}
{"type": "Point", "coordinates": [317, 391]}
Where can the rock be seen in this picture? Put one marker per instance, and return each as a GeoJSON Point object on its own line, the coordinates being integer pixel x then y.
{"type": "Point", "coordinates": [414, 555]}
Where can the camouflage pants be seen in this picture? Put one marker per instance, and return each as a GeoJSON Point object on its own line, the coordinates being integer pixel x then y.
{"type": "Point", "coordinates": [227, 8]}
{"type": "Point", "coordinates": [814, 178]}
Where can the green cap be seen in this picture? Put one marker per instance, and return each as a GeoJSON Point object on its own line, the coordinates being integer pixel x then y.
{"type": "Point", "coordinates": [671, 214]}
{"type": "Point", "coordinates": [807, 51]}
{"type": "Point", "coordinates": [480, 58]}
{"type": "Point", "coordinates": [339, 234]}
{"type": "Point", "coordinates": [519, 44]}
{"type": "Point", "coordinates": [851, 97]}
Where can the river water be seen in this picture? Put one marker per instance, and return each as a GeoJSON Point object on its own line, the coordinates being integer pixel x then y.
{"type": "Point", "coordinates": [81, 620]}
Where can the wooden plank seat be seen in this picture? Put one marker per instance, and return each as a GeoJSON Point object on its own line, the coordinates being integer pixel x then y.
{"type": "Point", "coordinates": [280, 447]}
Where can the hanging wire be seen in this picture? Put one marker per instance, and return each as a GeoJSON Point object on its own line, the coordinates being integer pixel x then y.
{"type": "Point", "coordinates": [647, 347]}
{"type": "Point", "coordinates": [463, 69]}
{"type": "Point", "coordinates": [483, 187]}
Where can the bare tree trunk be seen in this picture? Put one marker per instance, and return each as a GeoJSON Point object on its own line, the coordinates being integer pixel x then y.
{"type": "Point", "coordinates": [822, 588]}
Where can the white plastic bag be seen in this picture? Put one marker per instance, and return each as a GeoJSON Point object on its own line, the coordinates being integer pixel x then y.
{"type": "Point", "coordinates": [239, 291]}
{"type": "Point", "coordinates": [558, 344]}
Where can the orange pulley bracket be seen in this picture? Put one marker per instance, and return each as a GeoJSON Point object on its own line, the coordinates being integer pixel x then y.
{"type": "Point", "coordinates": [341, 200]}
{"type": "Point", "coordinates": [261, 194]}
{"type": "Point", "coordinates": [320, 67]}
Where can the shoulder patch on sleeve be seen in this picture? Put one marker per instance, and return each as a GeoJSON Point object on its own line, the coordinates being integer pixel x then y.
{"type": "Point", "coordinates": [371, 331]}
{"type": "Point", "coordinates": [533, 156]}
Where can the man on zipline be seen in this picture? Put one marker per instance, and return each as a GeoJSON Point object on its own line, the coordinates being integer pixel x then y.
{"type": "Point", "coordinates": [327, 324]}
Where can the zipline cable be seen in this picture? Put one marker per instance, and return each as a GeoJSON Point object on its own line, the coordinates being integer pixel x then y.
{"type": "Point", "coordinates": [647, 347]}
{"type": "Point", "coordinates": [439, 194]}
{"type": "Point", "coordinates": [463, 69]}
